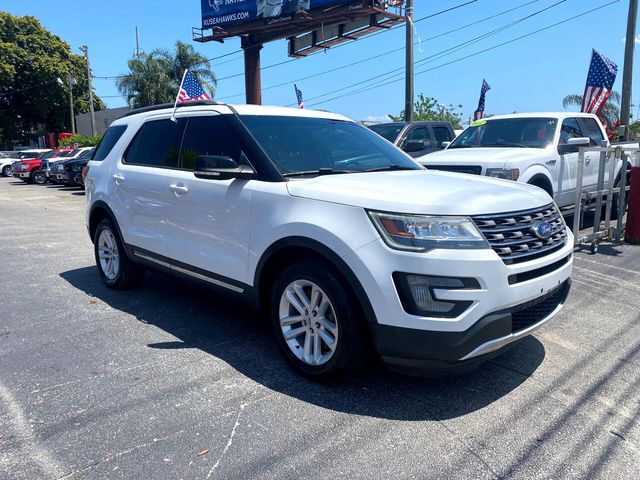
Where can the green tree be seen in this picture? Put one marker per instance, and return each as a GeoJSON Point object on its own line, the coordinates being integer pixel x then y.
{"type": "Point", "coordinates": [32, 99]}
{"type": "Point", "coordinates": [610, 111]}
{"type": "Point", "coordinates": [428, 108]}
{"type": "Point", "coordinates": [155, 78]}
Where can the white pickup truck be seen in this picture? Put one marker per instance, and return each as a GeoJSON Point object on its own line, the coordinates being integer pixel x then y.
{"type": "Point", "coordinates": [536, 148]}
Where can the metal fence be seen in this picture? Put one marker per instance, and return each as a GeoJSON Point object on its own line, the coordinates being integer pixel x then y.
{"type": "Point", "coordinates": [610, 193]}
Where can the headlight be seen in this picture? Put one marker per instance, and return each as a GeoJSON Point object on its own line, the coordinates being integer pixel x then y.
{"type": "Point", "coordinates": [505, 173]}
{"type": "Point", "coordinates": [419, 233]}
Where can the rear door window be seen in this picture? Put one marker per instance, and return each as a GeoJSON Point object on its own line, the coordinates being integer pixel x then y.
{"type": "Point", "coordinates": [110, 138]}
{"type": "Point", "coordinates": [157, 144]}
{"type": "Point", "coordinates": [207, 136]}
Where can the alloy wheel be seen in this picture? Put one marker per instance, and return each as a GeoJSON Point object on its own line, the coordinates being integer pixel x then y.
{"type": "Point", "coordinates": [308, 322]}
{"type": "Point", "coordinates": [108, 254]}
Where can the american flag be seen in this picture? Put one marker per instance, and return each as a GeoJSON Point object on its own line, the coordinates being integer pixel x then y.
{"type": "Point", "coordinates": [299, 96]}
{"type": "Point", "coordinates": [602, 74]}
{"type": "Point", "coordinates": [479, 113]}
{"type": "Point", "coordinates": [191, 90]}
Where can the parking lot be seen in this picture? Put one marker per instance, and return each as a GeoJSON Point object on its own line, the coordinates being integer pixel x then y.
{"type": "Point", "coordinates": [174, 381]}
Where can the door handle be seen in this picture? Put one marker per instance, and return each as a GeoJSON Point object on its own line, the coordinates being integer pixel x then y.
{"type": "Point", "coordinates": [179, 190]}
{"type": "Point", "coordinates": [118, 178]}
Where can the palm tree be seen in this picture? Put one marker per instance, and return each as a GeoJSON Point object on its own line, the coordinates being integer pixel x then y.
{"type": "Point", "coordinates": [147, 83]}
{"type": "Point", "coordinates": [610, 111]}
{"type": "Point", "coordinates": [155, 78]}
{"type": "Point", "coordinates": [185, 57]}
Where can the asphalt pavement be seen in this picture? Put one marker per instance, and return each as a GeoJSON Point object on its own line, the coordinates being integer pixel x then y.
{"type": "Point", "coordinates": [175, 381]}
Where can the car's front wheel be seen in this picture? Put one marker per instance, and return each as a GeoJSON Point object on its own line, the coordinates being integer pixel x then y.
{"type": "Point", "coordinates": [39, 177]}
{"type": "Point", "coordinates": [318, 325]}
{"type": "Point", "coordinates": [116, 270]}
{"type": "Point", "coordinates": [7, 171]}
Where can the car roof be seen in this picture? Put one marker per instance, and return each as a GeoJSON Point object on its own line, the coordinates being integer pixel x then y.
{"type": "Point", "coordinates": [542, 115]}
{"type": "Point", "coordinates": [262, 110]}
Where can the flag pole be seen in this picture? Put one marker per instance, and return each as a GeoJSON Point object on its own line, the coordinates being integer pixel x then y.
{"type": "Point", "coordinates": [175, 105]}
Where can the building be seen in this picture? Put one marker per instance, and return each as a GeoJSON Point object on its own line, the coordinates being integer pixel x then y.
{"type": "Point", "coordinates": [103, 120]}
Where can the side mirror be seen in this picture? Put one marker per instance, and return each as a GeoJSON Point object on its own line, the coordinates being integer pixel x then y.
{"type": "Point", "coordinates": [445, 144]}
{"type": "Point", "coordinates": [573, 145]}
{"type": "Point", "coordinates": [215, 167]}
{"type": "Point", "coordinates": [413, 146]}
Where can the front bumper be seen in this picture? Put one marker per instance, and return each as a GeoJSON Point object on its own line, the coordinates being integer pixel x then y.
{"type": "Point", "coordinates": [22, 175]}
{"type": "Point", "coordinates": [418, 351]}
{"type": "Point", "coordinates": [485, 327]}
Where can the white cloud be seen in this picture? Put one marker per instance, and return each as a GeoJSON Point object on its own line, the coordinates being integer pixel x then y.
{"type": "Point", "coordinates": [377, 118]}
{"type": "Point", "coordinates": [623, 40]}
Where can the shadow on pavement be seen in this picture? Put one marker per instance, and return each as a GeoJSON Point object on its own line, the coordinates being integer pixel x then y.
{"type": "Point", "coordinates": [204, 319]}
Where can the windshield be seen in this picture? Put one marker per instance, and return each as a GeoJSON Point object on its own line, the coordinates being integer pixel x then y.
{"type": "Point", "coordinates": [48, 155]}
{"type": "Point", "coordinates": [300, 145]}
{"type": "Point", "coordinates": [87, 153]}
{"type": "Point", "coordinates": [508, 132]}
{"type": "Point", "coordinates": [390, 131]}
{"type": "Point", "coordinates": [64, 153]}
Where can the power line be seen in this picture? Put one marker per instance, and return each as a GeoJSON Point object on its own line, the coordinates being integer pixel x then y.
{"type": "Point", "coordinates": [443, 53]}
{"type": "Point", "coordinates": [470, 55]}
{"type": "Point", "coordinates": [375, 57]}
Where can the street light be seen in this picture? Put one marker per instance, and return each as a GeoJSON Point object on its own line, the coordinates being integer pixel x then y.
{"type": "Point", "coordinates": [72, 82]}
{"type": "Point", "coordinates": [84, 49]}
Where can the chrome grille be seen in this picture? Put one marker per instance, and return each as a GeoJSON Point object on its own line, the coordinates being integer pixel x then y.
{"type": "Point", "coordinates": [512, 237]}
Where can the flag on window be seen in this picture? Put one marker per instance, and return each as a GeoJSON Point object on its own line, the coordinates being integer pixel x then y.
{"type": "Point", "coordinates": [191, 90]}
{"type": "Point", "coordinates": [602, 74]}
{"type": "Point", "coordinates": [479, 113]}
{"type": "Point", "coordinates": [299, 96]}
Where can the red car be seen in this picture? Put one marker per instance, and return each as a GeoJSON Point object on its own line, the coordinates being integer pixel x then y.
{"type": "Point", "coordinates": [28, 169]}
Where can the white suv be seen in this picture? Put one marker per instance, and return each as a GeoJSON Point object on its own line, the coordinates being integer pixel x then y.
{"type": "Point", "coordinates": [343, 240]}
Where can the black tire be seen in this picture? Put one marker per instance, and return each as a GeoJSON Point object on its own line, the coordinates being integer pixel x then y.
{"type": "Point", "coordinates": [39, 177]}
{"type": "Point", "coordinates": [129, 274]}
{"type": "Point", "coordinates": [352, 350]}
{"type": "Point", "coordinates": [7, 171]}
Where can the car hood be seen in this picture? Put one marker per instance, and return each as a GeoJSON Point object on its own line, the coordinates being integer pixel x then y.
{"type": "Point", "coordinates": [498, 156]}
{"type": "Point", "coordinates": [421, 192]}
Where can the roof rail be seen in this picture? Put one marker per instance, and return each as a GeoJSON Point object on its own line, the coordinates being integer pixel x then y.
{"type": "Point", "coordinates": [163, 106]}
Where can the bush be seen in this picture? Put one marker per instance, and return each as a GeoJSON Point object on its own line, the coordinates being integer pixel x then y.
{"type": "Point", "coordinates": [81, 140]}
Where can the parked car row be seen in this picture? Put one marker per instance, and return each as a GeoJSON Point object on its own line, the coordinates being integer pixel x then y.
{"type": "Point", "coordinates": [58, 166]}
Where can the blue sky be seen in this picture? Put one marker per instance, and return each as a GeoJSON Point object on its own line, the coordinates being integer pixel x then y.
{"type": "Point", "coordinates": [531, 74]}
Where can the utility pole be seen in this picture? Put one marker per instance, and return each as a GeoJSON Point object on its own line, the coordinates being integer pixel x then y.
{"type": "Point", "coordinates": [625, 107]}
{"type": "Point", "coordinates": [408, 102]}
{"type": "Point", "coordinates": [137, 43]}
{"type": "Point", "coordinates": [85, 50]}
{"type": "Point", "coordinates": [72, 82]}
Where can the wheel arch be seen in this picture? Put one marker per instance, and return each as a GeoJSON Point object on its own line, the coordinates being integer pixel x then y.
{"type": "Point", "coordinates": [289, 249]}
{"type": "Point", "coordinates": [543, 181]}
{"type": "Point", "coordinates": [99, 211]}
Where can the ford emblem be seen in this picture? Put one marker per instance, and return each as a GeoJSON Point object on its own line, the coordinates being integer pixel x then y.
{"type": "Point", "coordinates": [542, 229]}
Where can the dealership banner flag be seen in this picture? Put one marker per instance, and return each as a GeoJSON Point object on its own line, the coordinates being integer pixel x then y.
{"type": "Point", "coordinates": [600, 79]}
{"type": "Point", "coordinates": [479, 113]}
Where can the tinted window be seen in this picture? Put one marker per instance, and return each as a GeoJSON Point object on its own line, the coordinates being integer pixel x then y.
{"type": "Point", "coordinates": [390, 131]}
{"type": "Point", "coordinates": [298, 144]}
{"type": "Point", "coordinates": [110, 138]}
{"type": "Point", "coordinates": [87, 153]}
{"type": "Point", "coordinates": [592, 130]}
{"type": "Point", "coordinates": [419, 133]}
{"type": "Point", "coordinates": [47, 154]}
{"type": "Point", "coordinates": [570, 129]}
{"type": "Point", "coordinates": [157, 144]}
{"type": "Point", "coordinates": [207, 136]}
{"type": "Point", "coordinates": [508, 132]}
{"type": "Point", "coordinates": [442, 134]}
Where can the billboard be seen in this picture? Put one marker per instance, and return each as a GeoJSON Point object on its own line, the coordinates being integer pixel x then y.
{"type": "Point", "coordinates": [221, 13]}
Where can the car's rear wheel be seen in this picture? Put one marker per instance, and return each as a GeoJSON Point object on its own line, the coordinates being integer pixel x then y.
{"type": "Point", "coordinates": [116, 270]}
{"type": "Point", "coordinates": [7, 171]}
{"type": "Point", "coordinates": [39, 177]}
{"type": "Point", "coordinates": [318, 325]}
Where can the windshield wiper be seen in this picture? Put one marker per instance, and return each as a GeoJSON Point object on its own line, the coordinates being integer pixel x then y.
{"type": "Point", "coordinates": [320, 171]}
{"type": "Point", "coordinates": [390, 168]}
{"type": "Point", "coordinates": [461, 146]}
{"type": "Point", "coordinates": [504, 144]}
